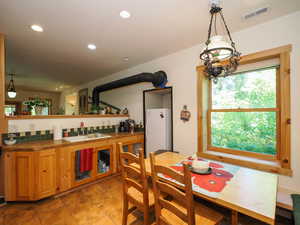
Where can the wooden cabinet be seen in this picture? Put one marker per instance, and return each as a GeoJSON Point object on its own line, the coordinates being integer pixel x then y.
{"type": "Point", "coordinates": [64, 169]}
{"type": "Point", "coordinates": [103, 163]}
{"type": "Point", "coordinates": [132, 144]}
{"type": "Point", "coordinates": [30, 175]}
{"type": "Point", "coordinates": [33, 175]}
{"type": "Point", "coordinates": [24, 176]}
{"type": "Point", "coordinates": [46, 173]}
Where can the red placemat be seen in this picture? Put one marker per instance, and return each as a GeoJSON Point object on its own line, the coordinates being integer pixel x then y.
{"type": "Point", "coordinates": [211, 184]}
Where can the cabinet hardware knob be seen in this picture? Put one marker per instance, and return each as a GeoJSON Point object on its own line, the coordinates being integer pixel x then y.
{"type": "Point", "coordinates": [44, 171]}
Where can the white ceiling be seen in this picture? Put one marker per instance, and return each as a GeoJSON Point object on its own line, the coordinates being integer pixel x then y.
{"type": "Point", "coordinates": [59, 56]}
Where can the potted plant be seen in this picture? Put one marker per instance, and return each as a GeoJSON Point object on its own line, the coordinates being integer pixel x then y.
{"type": "Point", "coordinates": [101, 110]}
{"type": "Point", "coordinates": [37, 104]}
{"type": "Point", "coordinates": [95, 109]}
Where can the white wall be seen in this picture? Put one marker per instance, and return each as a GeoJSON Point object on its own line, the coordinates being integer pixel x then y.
{"type": "Point", "coordinates": [181, 70]}
{"type": "Point", "coordinates": [130, 97]}
{"type": "Point", "coordinates": [50, 124]}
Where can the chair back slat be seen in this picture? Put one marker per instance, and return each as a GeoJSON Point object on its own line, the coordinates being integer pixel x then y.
{"type": "Point", "coordinates": [182, 194]}
{"type": "Point", "coordinates": [132, 158]}
{"type": "Point", "coordinates": [170, 190]}
{"type": "Point", "coordinates": [170, 172]}
{"type": "Point", "coordinates": [132, 171]}
{"type": "Point", "coordinates": [132, 183]}
{"type": "Point", "coordinates": [168, 205]}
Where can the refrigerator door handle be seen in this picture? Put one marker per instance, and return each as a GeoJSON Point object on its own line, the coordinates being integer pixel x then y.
{"type": "Point", "coordinates": [161, 115]}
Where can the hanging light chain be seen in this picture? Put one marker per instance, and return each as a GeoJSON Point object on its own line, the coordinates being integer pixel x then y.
{"type": "Point", "coordinates": [227, 30]}
{"type": "Point", "coordinates": [209, 29]}
{"type": "Point", "coordinates": [11, 85]}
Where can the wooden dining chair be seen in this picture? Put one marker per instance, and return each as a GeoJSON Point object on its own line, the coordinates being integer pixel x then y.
{"type": "Point", "coordinates": [136, 190]}
{"type": "Point", "coordinates": [180, 209]}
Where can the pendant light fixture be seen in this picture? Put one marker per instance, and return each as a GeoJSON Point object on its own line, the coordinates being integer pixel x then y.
{"type": "Point", "coordinates": [11, 91]}
{"type": "Point", "coordinates": [220, 56]}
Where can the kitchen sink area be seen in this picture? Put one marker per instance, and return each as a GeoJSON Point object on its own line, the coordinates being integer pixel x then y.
{"type": "Point", "coordinates": [88, 137]}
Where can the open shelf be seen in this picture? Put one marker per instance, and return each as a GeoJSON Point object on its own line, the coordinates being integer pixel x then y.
{"type": "Point", "coordinates": [104, 161]}
{"type": "Point", "coordinates": [81, 175]}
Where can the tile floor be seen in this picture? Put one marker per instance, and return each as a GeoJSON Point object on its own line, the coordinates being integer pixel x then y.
{"type": "Point", "coordinates": [98, 204]}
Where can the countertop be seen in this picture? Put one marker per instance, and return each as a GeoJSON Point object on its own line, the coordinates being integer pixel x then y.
{"type": "Point", "coordinates": [40, 145]}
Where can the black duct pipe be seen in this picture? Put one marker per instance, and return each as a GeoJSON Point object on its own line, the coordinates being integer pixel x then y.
{"type": "Point", "coordinates": [158, 79]}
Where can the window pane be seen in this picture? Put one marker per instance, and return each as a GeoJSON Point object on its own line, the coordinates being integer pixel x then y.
{"type": "Point", "coordinates": [9, 110]}
{"type": "Point", "coordinates": [256, 89]}
{"type": "Point", "coordinates": [247, 131]}
{"type": "Point", "coordinates": [45, 111]}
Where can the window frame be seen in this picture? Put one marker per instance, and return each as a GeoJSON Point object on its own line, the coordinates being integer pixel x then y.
{"type": "Point", "coordinates": [283, 156]}
{"type": "Point", "coordinates": [236, 151]}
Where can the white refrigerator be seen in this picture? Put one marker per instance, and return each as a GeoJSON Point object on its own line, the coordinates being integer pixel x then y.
{"type": "Point", "coordinates": [158, 130]}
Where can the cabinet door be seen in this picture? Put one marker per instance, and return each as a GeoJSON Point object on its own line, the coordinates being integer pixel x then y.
{"type": "Point", "coordinates": [24, 176]}
{"type": "Point", "coordinates": [64, 169]}
{"type": "Point", "coordinates": [46, 173]}
{"type": "Point", "coordinates": [103, 160]}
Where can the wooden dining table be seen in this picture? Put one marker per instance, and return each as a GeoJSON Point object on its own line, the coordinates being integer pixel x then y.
{"type": "Point", "coordinates": [250, 192]}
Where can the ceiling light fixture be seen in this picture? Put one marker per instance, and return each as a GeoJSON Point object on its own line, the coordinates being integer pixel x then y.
{"type": "Point", "coordinates": [220, 57]}
{"type": "Point", "coordinates": [125, 14]}
{"type": "Point", "coordinates": [36, 28]}
{"type": "Point", "coordinates": [11, 91]}
{"type": "Point", "coordinates": [92, 46]}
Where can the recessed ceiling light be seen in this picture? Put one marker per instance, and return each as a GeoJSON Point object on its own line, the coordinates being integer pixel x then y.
{"type": "Point", "coordinates": [36, 28]}
{"type": "Point", "coordinates": [92, 46]}
{"type": "Point", "coordinates": [126, 59]}
{"type": "Point", "coordinates": [125, 14]}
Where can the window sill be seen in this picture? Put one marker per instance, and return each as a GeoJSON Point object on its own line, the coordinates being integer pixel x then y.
{"type": "Point", "coordinates": [253, 163]}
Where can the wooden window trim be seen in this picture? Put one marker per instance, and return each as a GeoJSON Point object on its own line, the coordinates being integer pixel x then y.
{"type": "Point", "coordinates": [283, 157]}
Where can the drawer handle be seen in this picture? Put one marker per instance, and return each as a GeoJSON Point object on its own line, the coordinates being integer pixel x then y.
{"type": "Point", "coordinates": [44, 171]}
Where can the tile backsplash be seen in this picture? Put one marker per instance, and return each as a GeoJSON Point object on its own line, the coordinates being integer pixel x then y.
{"type": "Point", "coordinates": [99, 129]}
{"type": "Point", "coordinates": [28, 136]}
{"type": "Point", "coordinates": [42, 129]}
{"type": "Point", "coordinates": [15, 126]}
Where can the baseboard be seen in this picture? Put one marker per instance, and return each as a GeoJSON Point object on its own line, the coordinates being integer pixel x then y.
{"type": "Point", "coordinates": [2, 200]}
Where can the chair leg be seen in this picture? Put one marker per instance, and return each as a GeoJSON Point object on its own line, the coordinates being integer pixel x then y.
{"type": "Point", "coordinates": [125, 212]}
{"type": "Point", "coordinates": [234, 217]}
{"type": "Point", "coordinates": [146, 217]}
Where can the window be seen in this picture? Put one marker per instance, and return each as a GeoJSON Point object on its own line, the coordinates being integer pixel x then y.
{"type": "Point", "coordinates": [243, 113]}
{"type": "Point", "coordinates": [46, 110]}
{"type": "Point", "coordinates": [10, 110]}
{"type": "Point", "coordinates": [244, 119]}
